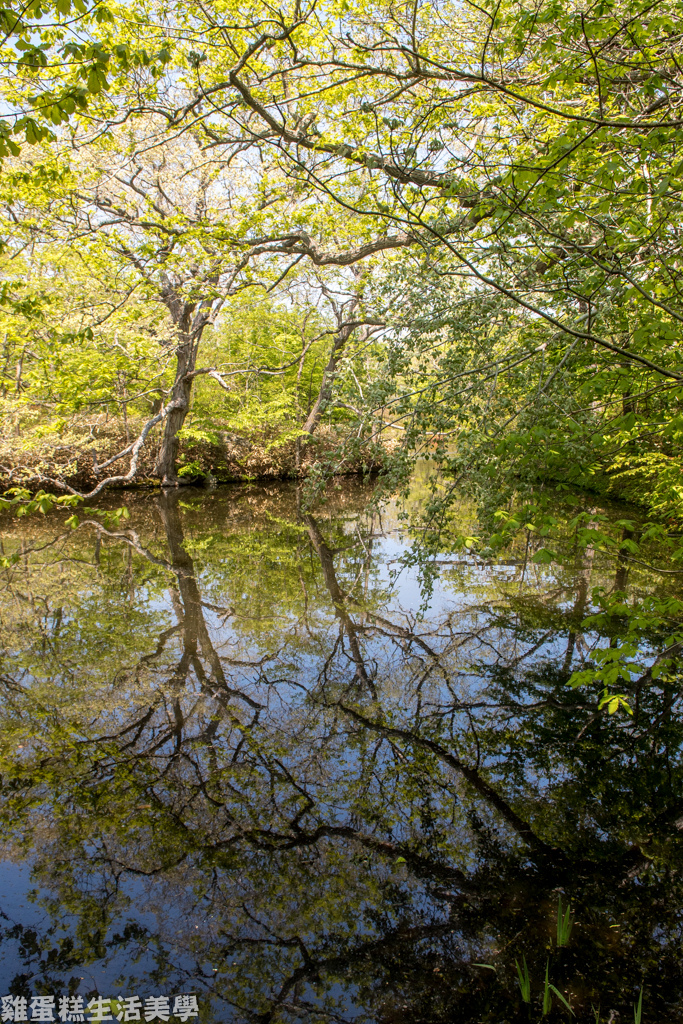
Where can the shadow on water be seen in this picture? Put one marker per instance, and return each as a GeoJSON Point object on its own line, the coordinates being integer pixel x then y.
{"type": "Point", "coordinates": [236, 762]}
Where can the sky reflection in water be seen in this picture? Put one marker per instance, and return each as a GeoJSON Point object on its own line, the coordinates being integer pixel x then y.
{"type": "Point", "coordinates": [237, 762]}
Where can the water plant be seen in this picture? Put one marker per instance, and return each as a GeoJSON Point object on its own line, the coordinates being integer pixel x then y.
{"type": "Point", "coordinates": [549, 990]}
{"type": "Point", "coordinates": [565, 923]}
{"type": "Point", "coordinates": [524, 980]}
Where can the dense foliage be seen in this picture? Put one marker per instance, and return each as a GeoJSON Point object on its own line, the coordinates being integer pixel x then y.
{"type": "Point", "coordinates": [496, 187]}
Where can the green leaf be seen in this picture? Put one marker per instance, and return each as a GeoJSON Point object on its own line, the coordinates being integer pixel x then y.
{"type": "Point", "coordinates": [561, 998]}
{"type": "Point", "coordinates": [544, 557]}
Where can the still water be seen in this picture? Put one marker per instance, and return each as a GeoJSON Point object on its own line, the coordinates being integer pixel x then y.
{"type": "Point", "coordinates": [246, 756]}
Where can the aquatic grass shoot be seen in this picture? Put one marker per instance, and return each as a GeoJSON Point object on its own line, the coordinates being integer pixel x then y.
{"type": "Point", "coordinates": [549, 991]}
{"type": "Point", "coordinates": [565, 923]}
{"type": "Point", "coordinates": [638, 1008]}
{"type": "Point", "coordinates": [524, 980]}
{"type": "Point", "coordinates": [547, 997]}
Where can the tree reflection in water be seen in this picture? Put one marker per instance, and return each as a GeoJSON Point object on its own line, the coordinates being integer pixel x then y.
{"type": "Point", "coordinates": [239, 764]}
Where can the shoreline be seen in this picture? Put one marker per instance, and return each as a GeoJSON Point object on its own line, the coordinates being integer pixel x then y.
{"type": "Point", "coordinates": [35, 462]}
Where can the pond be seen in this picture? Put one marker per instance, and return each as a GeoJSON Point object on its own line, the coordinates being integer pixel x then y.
{"type": "Point", "coordinates": [248, 759]}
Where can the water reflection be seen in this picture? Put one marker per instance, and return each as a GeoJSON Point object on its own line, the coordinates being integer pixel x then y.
{"type": "Point", "coordinates": [239, 763]}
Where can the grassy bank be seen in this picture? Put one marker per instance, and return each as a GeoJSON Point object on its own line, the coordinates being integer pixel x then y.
{"type": "Point", "coordinates": [72, 452]}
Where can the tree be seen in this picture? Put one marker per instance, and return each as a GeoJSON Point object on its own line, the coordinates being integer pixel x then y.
{"type": "Point", "coordinates": [56, 57]}
{"type": "Point", "coordinates": [531, 159]}
{"type": "Point", "coordinates": [187, 229]}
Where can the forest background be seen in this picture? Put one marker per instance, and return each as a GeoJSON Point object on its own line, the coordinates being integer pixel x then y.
{"type": "Point", "coordinates": [244, 239]}
{"type": "Point", "coordinates": [450, 224]}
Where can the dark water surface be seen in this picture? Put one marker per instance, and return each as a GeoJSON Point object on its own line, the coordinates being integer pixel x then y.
{"type": "Point", "coordinates": [236, 762]}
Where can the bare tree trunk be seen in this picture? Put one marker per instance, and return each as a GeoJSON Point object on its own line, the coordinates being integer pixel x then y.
{"type": "Point", "coordinates": [190, 318]}
{"type": "Point", "coordinates": [329, 373]}
{"type": "Point", "coordinates": [165, 467]}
